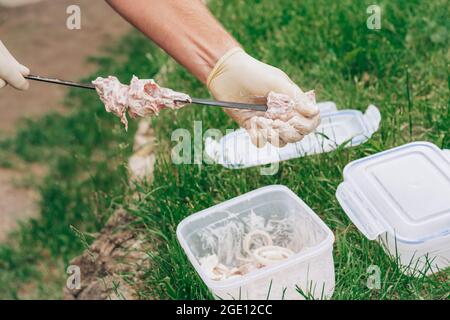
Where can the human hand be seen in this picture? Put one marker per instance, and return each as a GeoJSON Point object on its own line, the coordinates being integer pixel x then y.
{"type": "Point", "coordinates": [11, 71]}
{"type": "Point", "coordinates": [238, 77]}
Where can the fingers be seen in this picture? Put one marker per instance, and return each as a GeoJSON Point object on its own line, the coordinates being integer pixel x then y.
{"type": "Point", "coordinates": [11, 71]}
{"type": "Point", "coordinates": [270, 133]}
{"type": "Point", "coordinates": [278, 133]}
{"type": "Point", "coordinates": [256, 135]}
{"type": "Point", "coordinates": [286, 132]}
{"type": "Point", "coordinates": [24, 70]}
{"type": "Point", "coordinates": [241, 78]}
{"type": "Point", "coordinates": [304, 125]}
{"type": "Point", "coordinates": [2, 83]}
{"type": "Point", "coordinates": [304, 103]}
{"type": "Point", "coordinates": [17, 80]}
{"type": "Point", "coordinates": [290, 127]}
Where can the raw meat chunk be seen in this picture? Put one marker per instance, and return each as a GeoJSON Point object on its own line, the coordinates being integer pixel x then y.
{"type": "Point", "coordinates": [143, 97]}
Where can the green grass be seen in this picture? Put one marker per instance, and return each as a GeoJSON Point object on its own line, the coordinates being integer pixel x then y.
{"type": "Point", "coordinates": [403, 69]}
{"type": "Point", "coordinates": [323, 45]}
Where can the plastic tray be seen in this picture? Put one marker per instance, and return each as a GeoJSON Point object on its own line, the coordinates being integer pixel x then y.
{"type": "Point", "coordinates": [350, 127]}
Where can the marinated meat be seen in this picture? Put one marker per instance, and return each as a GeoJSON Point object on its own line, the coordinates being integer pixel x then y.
{"type": "Point", "coordinates": [281, 105]}
{"type": "Point", "coordinates": [278, 104]}
{"type": "Point", "coordinates": [143, 97]}
{"type": "Point", "coordinates": [114, 96]}
{"type": "Point", "coordinates": [282, 123]}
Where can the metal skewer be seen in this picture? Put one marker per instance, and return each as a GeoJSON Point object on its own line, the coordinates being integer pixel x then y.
{"type": "Point", "coordinates": [223, 104]}
{"type": "Point", "coordinates": [60, 82]}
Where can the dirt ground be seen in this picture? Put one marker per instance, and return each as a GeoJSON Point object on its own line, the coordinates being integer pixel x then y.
{"type": "Point", "coordinates": [37, 35]}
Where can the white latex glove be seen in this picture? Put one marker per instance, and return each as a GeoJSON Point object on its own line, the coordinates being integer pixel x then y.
{"type": "Point", "coordinates": [11, 71]}
{"type": "Point", "coordinates": [238, 77]}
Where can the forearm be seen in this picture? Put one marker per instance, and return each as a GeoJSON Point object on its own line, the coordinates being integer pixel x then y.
{"type": "Point", "coordinates": [185, 29]}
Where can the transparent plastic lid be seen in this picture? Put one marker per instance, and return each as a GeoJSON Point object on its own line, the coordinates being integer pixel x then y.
{"type": "Point", "coordinates": [405, 191]}
{"type": "Point", "coordinates": [350, 127]}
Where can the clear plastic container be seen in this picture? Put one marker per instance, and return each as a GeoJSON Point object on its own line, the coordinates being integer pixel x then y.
{"type": "Point", "coordinates": [220, 230]}
{"type": "Point", "coordinates": [401, 197]}
{"type": "Point", "coordinates": [337, 127]}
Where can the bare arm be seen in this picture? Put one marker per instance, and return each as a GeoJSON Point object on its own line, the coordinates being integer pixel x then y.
{"type": "Point", "coordinates": [185, 29]}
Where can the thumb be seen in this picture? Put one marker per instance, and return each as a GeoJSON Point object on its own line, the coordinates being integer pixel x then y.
{"type": "Point", "coordinates": [17, 81]}
{"type": "Point", "coordinates": [24, 70]}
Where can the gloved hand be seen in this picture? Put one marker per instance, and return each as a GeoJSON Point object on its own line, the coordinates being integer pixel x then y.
{"type": "Point", "coordinates": [238, 77]}
{"type": "Point", "coordinates": [11, 71]}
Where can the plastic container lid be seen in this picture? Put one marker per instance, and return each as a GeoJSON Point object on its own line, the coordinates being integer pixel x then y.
{"type": "Point", "coordinates": [404, 191]}
{"type": "Point", "coordinates": [350, 127]}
